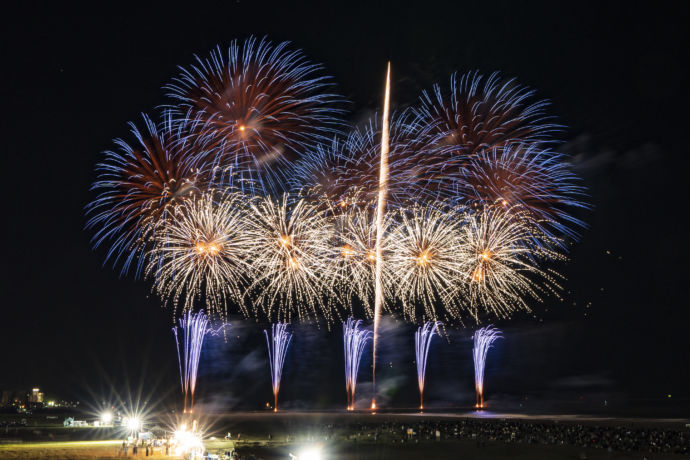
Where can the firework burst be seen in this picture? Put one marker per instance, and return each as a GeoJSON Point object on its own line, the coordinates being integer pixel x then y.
{"type": "Point", "coordinates": [424, 248]}
{"type": "Point", "coordinates": [292, 248]}
{"type": "Point", "coordinates": [138, 184]}
{"type": "Point", "coordinates": [483, 340]}
{"type": "Point", "coordinates": [502, 269]}
{"type": "Point", "coordinates": [259, 105]}
{"type": "Point", "coordinates": [343, 168]}
{"type": "Point", "coordinates": [479, 113]}
{"type": "Point", "coordinates": [536, 182]}
{"type": "Point", "coordinates": [203, 253]}
{"type": "Point", "coordinates": [351, 272]}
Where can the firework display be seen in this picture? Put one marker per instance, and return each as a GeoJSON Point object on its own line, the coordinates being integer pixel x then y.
{"type": "Point", "coordinates": [248, 197]}
{"type": "Point", "coordinates": [258, 106]}
{"type": "Point", "coordinates": [483, 340]}
{"type": "Point", "coordinates": [355, 339]}
{"type": "Point", "coordinates": [422, 341]}
{"type": "Point", "coordinates": [277, 345]}
{"type": "Point", "coordinates": [194, 327]}
{"type": "Point", "coordinates": [534, 181]}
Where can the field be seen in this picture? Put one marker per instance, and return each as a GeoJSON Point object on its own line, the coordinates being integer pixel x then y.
{"type": "Point", "coordinates": [335, 435]}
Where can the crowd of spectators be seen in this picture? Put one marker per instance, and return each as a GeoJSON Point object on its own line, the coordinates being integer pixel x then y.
{"type": "Point", "coordinates": [614, 438]}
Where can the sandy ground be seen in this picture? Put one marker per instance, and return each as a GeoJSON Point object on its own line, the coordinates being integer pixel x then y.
{"type": "Point", "coordinates": [67, 450]}
{"type": "Point", "coordinates": [464, 450]}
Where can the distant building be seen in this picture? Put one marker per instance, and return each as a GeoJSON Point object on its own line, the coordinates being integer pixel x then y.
{"type": "Point", "coordinates": [36, 396]}
{"type": "Point", "coordinates": [7, 397]}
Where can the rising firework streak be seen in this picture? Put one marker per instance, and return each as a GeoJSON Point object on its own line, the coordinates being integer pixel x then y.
{"type": "Point", "coordinates": [277, 349]}
{"type": "Point", "coordinates": [422, 340]}
{"type": "Point", "coordinates": [380, 218]}
{"type": "Point", "coordinates": [483, 339]}
{"type": "Point", "coordinates": [355, 339]}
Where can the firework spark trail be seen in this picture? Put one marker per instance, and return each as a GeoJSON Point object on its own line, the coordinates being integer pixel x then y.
{"type": "Point", "coordinates": [380, 212]}
{"type": "Point", "coordinates": [194, 328]}
{"type": "Point", "coordinates": [277, 349]}
{"type": "Point", "coordinates": [483, 340]}
{"type": "Point", "coordinates": [422, 341]}
{"type": "Point", "coordinates": [355, 339]}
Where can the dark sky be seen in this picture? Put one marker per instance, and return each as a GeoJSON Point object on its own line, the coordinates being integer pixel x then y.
{"type": "Point", "coordinates": [617, 76]}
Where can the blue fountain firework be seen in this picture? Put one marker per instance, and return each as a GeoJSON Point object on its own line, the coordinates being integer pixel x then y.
{"type": "Point", "coordinates": [277, 349]}
{"type": "Point", "coordinates": [483, 340]}
{"type": "Point", "coordinates": [194, 328]}
{"type": "Point", "coordinates": [422, 341]}
{"type": "Point", "coordinates": [355, 339]}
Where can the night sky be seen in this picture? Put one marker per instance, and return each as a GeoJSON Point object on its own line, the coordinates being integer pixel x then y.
{"type": "Point", "coordinates": [617, 76]}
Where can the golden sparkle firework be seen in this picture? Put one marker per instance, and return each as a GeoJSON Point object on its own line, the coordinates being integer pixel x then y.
{"type": "Point", "coordinates": [290, 259]}
{"type": "Point", "coordinates": [424, 255]}
{"type": "Point", "coordinates": [501, 268]}
{"type": "Point", "coordinates": [353, 270]}
{"type": "Point", "coordinates": [202, 253]}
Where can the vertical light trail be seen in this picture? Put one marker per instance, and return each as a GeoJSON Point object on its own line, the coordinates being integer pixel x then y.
{"type": "Point", "coordinates": [483, 339]}
{"type": "Point", "coordinates": [194, 327]}
{"type": "Point", "coordinates": [354, 341]}
{"type": "Point", "coordinates": [380, 211]}
{"type": "Point", "coordinates": [277, 349]}
{"type": "Point", "coordinates": [422, 341]}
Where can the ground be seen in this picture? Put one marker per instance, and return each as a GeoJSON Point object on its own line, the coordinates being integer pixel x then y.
{"type": "Point", "coordinates": [333, 434]}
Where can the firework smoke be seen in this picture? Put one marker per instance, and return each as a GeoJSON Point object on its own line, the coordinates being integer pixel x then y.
{"type": "Point", "coordinates": [355, 339]}
{"type": "Point", "coordinates": [422, 341]}
{"type": "Point", "coordinates": [483, 340]}
{"type": "Point", "coordinates": [277, 349]}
